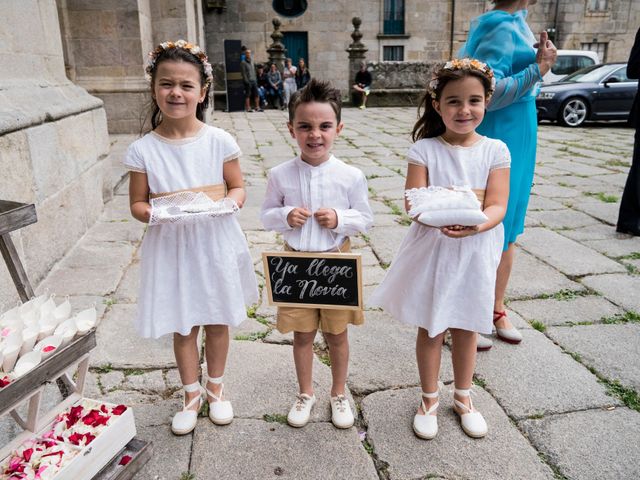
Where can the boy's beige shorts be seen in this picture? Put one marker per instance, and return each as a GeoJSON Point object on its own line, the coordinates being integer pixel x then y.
{"type": "Point", "coordinates": [327, 320]}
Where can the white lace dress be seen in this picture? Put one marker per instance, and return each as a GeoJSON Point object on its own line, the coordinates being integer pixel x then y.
{"type": "Point", "coordinates": [191, 274]}
{"type": "Point", "coordinates": [437, 282]}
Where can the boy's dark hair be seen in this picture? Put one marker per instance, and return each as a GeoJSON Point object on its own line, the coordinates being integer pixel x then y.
{"type": "Point", "coordinates": [430, 122]}
{"type": "Point", "coordinates": [177, 54]}
{"type": "Point", "coordinates": [316, 91]}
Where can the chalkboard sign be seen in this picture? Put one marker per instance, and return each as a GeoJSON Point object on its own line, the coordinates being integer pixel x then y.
{"type": "Point", "coordinates": [314, 280]}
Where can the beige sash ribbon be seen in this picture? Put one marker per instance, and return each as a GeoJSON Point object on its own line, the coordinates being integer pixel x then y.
{"type": "Point", "coordinates": [344, 248]}
{"type": "Point", "coordinates": [214, 192]}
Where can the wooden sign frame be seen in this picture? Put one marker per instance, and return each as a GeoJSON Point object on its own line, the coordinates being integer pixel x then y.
{"type": "Point", "coordinates": [314, 255]}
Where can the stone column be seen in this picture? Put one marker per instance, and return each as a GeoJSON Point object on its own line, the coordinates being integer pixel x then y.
{"type": "Point", "coordinates": [276, 51]}
{"type": "Point", "coordinates": [53, 141]}
{"type": "Point", "coordinates": [357, 51]}
{"type": "Point", "coordinates": [106, 46]}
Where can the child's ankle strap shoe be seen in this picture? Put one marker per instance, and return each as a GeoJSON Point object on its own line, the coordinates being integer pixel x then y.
{"type": "Point", "coordinates": [472, 421]}
{"type": "Point", "coordinates": [509, 335]}
{"type": "Point", "coordinates": [341, 414]}
{"type": "Point", "coordinates": [185, 421]}
{"type": "Point", "coordinates": [220, 411]}
{"type": "Point", "coordinates": [301, 410]}
{"type": "Point", "coordinates": [425, 425]}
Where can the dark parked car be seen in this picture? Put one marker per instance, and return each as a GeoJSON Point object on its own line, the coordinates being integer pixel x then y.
{"type": "Point", "coordinates": [598, 92]}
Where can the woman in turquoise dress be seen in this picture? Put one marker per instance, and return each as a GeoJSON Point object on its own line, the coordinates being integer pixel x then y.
{"type": "Point", "coordinates": [502, 39]}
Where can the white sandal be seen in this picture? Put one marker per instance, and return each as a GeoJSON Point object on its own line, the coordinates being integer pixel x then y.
{"type": "Point", "coordinates": [185, 421]}
{"type": "Point", "coordinates": [425, 425]}
{"type": "Point", "coordinates": [472, 422]}
{"type": "Point", "coordinates": [220, 411]}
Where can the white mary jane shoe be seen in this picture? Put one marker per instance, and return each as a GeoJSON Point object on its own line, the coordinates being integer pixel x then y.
{"type": "Point", "coordinates": [185, 421]}
{"type": "Point", "coordinates": [425, 425]}
{"type": "Point", "coordinates": [220, 411]}
{"type": "Point", "coordinates": [509, 335]}
{"type": "Point", "coordinates": [472, 422]}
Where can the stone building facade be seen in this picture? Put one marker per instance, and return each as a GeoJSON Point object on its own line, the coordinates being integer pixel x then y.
{"type": "Point", "coordinates": [425, 32]}
{"type": "Point", "coordinates": [53, 140]}
{"type": "Point", "coordinates": [70, 72]}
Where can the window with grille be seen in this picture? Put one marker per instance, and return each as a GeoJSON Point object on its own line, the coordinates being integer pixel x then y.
{"type": "Point", "coordinates": [393, 53]}
{"type": "Point", "coordinates": [597, 5]}
{"type": "Point", "coordinates": [393, 17]}
{"type": "Point", "coordinates": [599, 47]}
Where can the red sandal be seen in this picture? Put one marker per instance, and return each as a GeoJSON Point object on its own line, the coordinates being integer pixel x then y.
{"type": "Point", "coordinates": [509, 335]}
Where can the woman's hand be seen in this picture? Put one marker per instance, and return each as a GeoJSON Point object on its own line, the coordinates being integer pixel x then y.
{"type": "Point", "coordinates": [547, 53]}
{"type": "Point", "coordinates": [459, 231]}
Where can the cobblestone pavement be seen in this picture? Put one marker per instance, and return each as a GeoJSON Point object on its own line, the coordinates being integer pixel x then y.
{"type": "Point", "coordinates": [563, 404]}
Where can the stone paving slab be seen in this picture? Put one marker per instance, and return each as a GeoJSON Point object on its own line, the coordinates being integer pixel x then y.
{"type": "Point", "coordinates": [120, 346]}
{"type": "Point", "coordinates": [127, 291]}
{"type": "Point", "coordinates": [571, 258]}
{"type": "Point", "coordinates": [382, 355]}
{"type": "Point", "coordinates": [620, 289]}
{"type": "Point", "coordinates": [129, 230]}
{"type": "Point", "coordinates": [563, 219]}
{"type": "Point", "coordinates": [531, 277]}
{"type": "Point", "coordinates": [98, 282]}
{"type": "Point", "coordinates": [593, 232]}
{"type": "Point", "coordinates": [545, 382]}
{"type": "Point", "coordinates": [451, 454]}
{"type": "Point", "coordinates": [592, 444]}
{"type": "Point", "coordinates": [536, 202]}
{"type": "Point", "coordinates": [268, 384]}
{"type": "Point", "coordinates": [553, 191]}
{"type": "Point", "coordinates": [606, 212]}
{"type": "Point", "coordinates": [254, 449]}
{"type": "Point", "coordinates": [386, 241]}
{"type": "Point", "coordinates": [621, 246]}
{"type": "Point", "coordinates": [612, 350]}
{"type": "Point", "coordinates": [551, 311]}
{"type": "Point", "coordinates": [170, 455]}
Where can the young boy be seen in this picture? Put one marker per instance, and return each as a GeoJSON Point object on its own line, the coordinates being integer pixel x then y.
{"type": "Point", "coordinates": [316, 201]}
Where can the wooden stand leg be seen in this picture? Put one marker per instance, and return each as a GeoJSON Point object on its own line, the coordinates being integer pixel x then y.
{"type": "Point", "coordinates": [15, 267]}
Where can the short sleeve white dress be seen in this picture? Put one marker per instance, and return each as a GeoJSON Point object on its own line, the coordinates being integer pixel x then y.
{"type": "Point", "coordinates": [191, 274]}
{"type": "Point", "coordinates": [437, 282]}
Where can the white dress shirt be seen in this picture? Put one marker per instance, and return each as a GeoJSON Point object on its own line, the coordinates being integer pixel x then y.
{"type": "Point", "coordinates": [332, 184]}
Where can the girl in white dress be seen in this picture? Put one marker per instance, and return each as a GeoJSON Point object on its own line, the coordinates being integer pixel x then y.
{"type": "Point", "coordinates": [197, 273]}
{"type": "Point", "coordinates": [443, 278]}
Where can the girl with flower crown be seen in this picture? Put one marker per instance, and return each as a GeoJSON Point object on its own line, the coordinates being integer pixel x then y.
{"type": "Point", "coordinates": [198, 272]}
{"type": "Point", "coordinates": [452, 267]}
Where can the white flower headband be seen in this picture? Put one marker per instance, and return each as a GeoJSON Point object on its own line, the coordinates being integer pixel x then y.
{"type": "Point", "coordinates": [189, 47]}
{"type": "Point", "coordinates": [462, 64]}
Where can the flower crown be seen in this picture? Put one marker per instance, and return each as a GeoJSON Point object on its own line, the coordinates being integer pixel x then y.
{"type": "Point", "coordinates": [462, 64]}
{"type": "Point", "coordinates": [189, 47]}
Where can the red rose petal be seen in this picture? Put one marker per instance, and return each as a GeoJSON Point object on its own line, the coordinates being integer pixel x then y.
{"type": "Point", "coordinates": [27, 454]}
{"type": "Point", "coordinates": [125, 459]}
{"type": "Point", "coordinates": [119, 409]}
{"type": "Point", "coordinates": [48, 348]}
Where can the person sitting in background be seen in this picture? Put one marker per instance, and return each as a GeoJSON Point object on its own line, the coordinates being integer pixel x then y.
{"type": "Point", "coordinates": [263, 85]}
{"type": "Point", "coordinates": [362, 86]}
{"type": "Point", "coordinates": [274, 90]}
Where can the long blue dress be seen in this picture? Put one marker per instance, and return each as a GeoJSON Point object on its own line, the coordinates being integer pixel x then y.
{"type": "Point", "coordinates": [505, 42]}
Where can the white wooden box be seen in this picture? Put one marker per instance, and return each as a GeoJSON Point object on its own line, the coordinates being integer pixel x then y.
{"type": "Point", "coordinates": [93, 457]}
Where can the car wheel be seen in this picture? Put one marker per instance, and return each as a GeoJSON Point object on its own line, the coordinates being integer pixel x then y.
{"type": "Point", "coordinates": [574, 112]}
